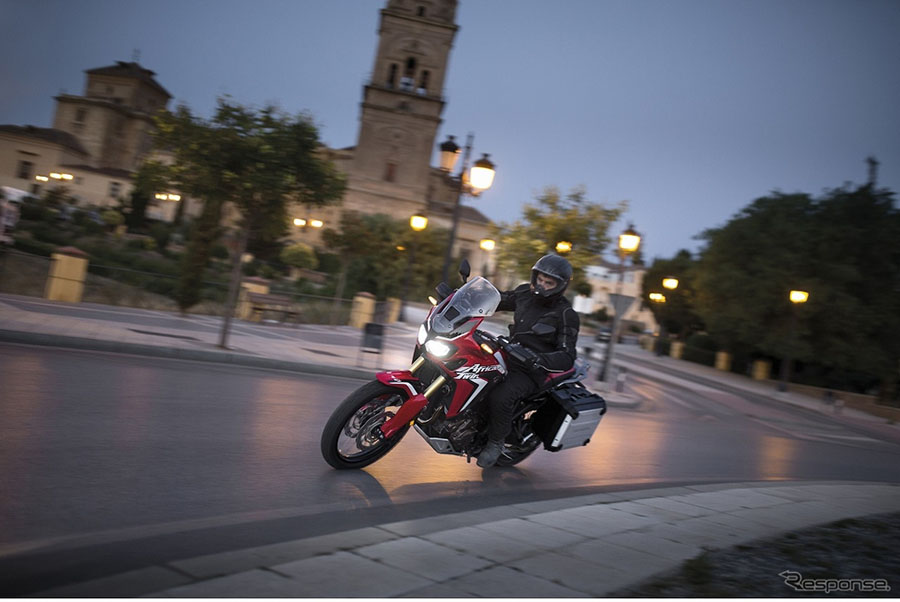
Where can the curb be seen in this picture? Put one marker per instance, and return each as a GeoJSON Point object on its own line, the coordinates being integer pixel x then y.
{"type": "Point", "coordinates": [199, 355]}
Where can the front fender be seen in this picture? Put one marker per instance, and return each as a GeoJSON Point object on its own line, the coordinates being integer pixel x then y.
{"type": "Point", "coordinates": [402, 379]}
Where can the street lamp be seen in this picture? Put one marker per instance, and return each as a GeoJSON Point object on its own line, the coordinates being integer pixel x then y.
{"type": "Point", "coordinates": [312, 223]}
{"type": "Point", "coordinates": [487, 245]}
{"type": "Point", "coordinates": [795, 297]}
{"type": "Point", "coordinates": [476, 181]}
{"type": "Point", "coordinates": [670, 283]}
{"type": "Point", "coordinates": [563, 246]}
{"type": "Point", "coordinates": [629, 241]}
{"type": "Point", "coordinates": [417, 223]}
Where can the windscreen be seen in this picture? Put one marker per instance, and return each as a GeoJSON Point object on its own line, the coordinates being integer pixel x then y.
{"type": "Point", "coordinates": [476, 298]}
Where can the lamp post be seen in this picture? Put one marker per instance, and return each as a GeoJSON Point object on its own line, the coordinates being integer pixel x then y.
{"type": "Point", "coordinates": [479, 179]}
{"type": "Point", "coordinates": [417, 223]}
{"type": "Point", "coordinates": [629, 241]}
{"type": "Point", "coordinates": [671, 284]}
{"type": "Point", "coordinates": [796, 298]}
{"type": "Point", "coordinates": [487, 245]}
{"type": "Point", "coordinates": [563, 246]}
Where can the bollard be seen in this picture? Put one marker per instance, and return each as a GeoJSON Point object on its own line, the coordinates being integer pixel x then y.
{"type": "Point", "coordinates": [620, 380]}
{"type": "Point", "coordinates": [67, 275]}
{"type": "Point", "coordinates": [676, 350]}
{"type": "Point", "coordinates": [363, 310]}
{"type": "Point", "coordinates": [394, 305]}
{"type": "Point", "coordinates": [761, 369]}
{"type": "Point", "coordinates": [723, 361]}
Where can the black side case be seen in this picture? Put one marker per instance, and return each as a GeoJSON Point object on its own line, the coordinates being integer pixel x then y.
{"type": "Point", "coordinates": [569, 418]}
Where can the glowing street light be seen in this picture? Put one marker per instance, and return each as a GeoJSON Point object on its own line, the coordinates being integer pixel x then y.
{"type": "Point", "coordinates": [796, 297]}
{"type": "Point", "coordinates": [563, 246]}
{"type": "Point", "coordinates": [487, 244]}
{"type": "Point", "coordinates": [670, 283]}
{"type": "Point", "coordinates": [472, 181]}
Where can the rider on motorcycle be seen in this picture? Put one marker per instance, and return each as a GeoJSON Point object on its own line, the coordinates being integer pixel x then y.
{"type": "Point", "coordinates": [541, 302]}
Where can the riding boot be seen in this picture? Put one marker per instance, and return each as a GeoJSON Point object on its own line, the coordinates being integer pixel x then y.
{"type": "Point", "coordinates": [490, 454]}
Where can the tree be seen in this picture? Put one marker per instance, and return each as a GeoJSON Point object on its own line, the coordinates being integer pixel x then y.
{"type": "Point", "coordinates": [553, 219]}
{"type": "Point", "coordinates": [255, 161]}
{"type": "Point", "coordinates": [843, 248]}
{"type": "Point", "coordinates": [677, 315]}
{"type": "Point", "coordinates": [299, 255]}
{"type": "Point", "coordinates": [149, 179]}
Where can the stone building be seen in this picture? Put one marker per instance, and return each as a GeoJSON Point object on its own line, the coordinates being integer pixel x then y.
{"type": "Point", "coordinates": [389, 169]}
{"type": "Point", "coordinates": [97, 141]}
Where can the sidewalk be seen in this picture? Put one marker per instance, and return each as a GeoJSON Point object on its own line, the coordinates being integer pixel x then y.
{"type": "Point", "coordinates": [577, 547]}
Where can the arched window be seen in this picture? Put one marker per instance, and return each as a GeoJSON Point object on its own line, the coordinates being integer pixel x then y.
{"type": "Point", "coordinates": [392, 76]}
{"type": "Point", "coordinates": [420, 11]}
{"type": "Point", "coordinates": [423, 82]}
{"type": "Point", "coordinates": [409, 74]}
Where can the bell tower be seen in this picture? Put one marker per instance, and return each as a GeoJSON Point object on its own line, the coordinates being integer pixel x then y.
{"type": "Point", "coordinates": [404, 98]}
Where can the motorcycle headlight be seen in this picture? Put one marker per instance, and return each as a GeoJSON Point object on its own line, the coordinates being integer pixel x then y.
{"type": "Point", "coordinates": [423, 334]}
{"type": "Point", "coordinates": [438, 349]}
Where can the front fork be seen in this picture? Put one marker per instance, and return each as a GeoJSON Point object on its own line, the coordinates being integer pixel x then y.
{"type": "Point", "coordinates": [403, 379]}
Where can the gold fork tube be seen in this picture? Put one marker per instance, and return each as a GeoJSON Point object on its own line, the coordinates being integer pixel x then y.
{"type": "Point", "coordinates": [417, 364]}
{"type": "Point", "coordinates": [437, 384]}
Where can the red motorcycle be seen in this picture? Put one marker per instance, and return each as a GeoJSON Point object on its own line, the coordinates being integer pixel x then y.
{"type": "Point", "coordinates": [455, 366]}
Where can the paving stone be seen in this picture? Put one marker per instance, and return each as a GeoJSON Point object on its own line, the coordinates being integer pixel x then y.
{"type": "Point", "coordinates": [675, 506]}
{"type": "Point", "coordinates": [701, 532]}
{"type": "Point", "coordinates": [124, 585]}
{"type": "Point", "coordinates": [249, 584]}
{"type": "Point", "coordinates": [504, 582]}
{"type": "Point", "coordinates": [486, 544]}
{"type": "Point", "coordinates": [213, 565]}
{"type": "Point", "coordinates": [423, 526]}
{"type": "Point", "coordinates": [348, 575]}
{"type": "Point", "coordinates": [531, 531]}
{"type": "Point", "coordinates": [574, 573]}
{"type": "Point", "coordinates": [653, 541]}
{"type": "Point", "coordinates": [424, 558]}
{"type": "Point", "coordinates": [593, 521]}
{"type": "Point", "coordinates": [754, 498]}
{"type": "Point", "coordinates": [437, 590]}
{"type": "Point", "coordinates": [636, 507]}
{"type": "Point", "coordinates": [628, 561]}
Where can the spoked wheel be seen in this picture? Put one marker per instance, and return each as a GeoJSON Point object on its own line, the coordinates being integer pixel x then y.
{"type": "Point", "coordinates": [350, 438]}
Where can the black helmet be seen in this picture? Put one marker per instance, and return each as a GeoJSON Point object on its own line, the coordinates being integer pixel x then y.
{"type": "Point", "coordinates": [555, 267]}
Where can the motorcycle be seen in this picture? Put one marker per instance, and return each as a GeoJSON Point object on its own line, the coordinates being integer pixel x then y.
{"type": "Point", "coordinates": [442, 395]}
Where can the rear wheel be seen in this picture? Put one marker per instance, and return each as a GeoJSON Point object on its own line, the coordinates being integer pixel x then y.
{"type": "Point", "coordinates": [350, 438]}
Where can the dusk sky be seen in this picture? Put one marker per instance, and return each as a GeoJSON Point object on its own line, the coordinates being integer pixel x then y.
{"type": "Point", "coordinates": [689, 109]}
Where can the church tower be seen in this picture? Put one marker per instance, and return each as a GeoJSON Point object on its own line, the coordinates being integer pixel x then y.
{"type": "Point", "coordinates": [402, 103]}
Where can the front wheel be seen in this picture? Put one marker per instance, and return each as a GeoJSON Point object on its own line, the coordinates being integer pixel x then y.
{"type": "Point", "coordinates": [350, 438]}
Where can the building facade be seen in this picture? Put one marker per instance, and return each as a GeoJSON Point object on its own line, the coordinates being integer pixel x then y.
{"type": "Point", "coordinates": [97, 141]}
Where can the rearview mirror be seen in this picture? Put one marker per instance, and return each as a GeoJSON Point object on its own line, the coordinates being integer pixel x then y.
{"type": "Point", "coordinates": [465, 269]}
{"type": "Point", "coordinates": [443, 290]}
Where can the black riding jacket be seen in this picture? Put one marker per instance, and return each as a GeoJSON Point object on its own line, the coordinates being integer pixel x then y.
{"type": "Point", "coordinates": [557, 351]}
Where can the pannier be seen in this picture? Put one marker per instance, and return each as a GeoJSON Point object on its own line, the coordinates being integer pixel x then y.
{"type": "Point", "coordinates": [569, 418]}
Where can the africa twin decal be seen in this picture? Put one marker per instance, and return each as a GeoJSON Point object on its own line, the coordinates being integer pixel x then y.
{"type": "Point", "coordinates": [472, 372]}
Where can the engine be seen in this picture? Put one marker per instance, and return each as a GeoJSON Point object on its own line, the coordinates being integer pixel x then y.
{"type": "Point", "coordinates": [461, 431]}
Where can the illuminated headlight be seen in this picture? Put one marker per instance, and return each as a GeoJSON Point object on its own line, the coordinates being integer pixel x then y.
{"type": "Point", "coordinates": [423, 334]}
{"type": "Point", "coordinates": [438, 349]}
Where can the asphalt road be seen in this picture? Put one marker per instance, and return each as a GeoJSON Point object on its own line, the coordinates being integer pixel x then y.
{"type": "Point", "coordinates": [110, 462]}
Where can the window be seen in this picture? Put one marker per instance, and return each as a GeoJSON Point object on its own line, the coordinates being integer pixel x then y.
{"type": "Point", "coordinates": [114, 189]}
{"type": "Point", "coordinates": [420, 11]}
{"type": "Point", "coordinates": [390, 172]}
{"type": "Point", "coordinates": [392, 76]}
{"type": "Point", "coordinates": [36, 189]}
{"type": "Point", "coordinates": [80, 115]}
{"type": "Point", "coordinates": [423, 83]}
{"type": "Point", "coordinates": [25, 170]}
